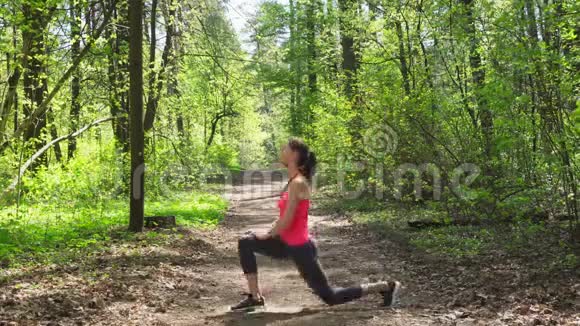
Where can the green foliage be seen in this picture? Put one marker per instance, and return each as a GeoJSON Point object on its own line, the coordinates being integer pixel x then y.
{"type": "Point", "coordinates": [223, 156]}
{"type": "Point", "coordinates": [571, 261]}
{"type": "Point", "coordinates": [94, 173]}
{"type": "Point", "coordinates": [432, 81]}
{"type": "Point", "coordinates": [193, 209]}
{"type": "Point", "coordinates": [8, 167]}
{"type": "Point", "coordinates": [43, 228]}
{"type": "Point", "coordinates": [48, 231]}
{"type": "Point", "coordinates": [453, 241]}
{"type": "Point", "coordinates": [174, 167]}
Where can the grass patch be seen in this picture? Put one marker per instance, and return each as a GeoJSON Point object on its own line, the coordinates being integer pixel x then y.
{"type": "Point", "coordinates": [521, 238]}
{"type": "Point", "coordinates": [457, 241]}
{"type": "Point", "coordinates": [190, 209]}
{"type": "Point", "coordinates": [53, 232]}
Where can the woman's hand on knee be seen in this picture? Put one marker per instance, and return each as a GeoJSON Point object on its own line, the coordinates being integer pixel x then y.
{"type": "Point", "coordinates": [248, 235]}
{"type": "Point", "coordinates": [257, 236]}
{"type": "Point", "coordinates": [263, 236]}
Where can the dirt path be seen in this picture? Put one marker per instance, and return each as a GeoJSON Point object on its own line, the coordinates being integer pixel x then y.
{"type": "Point", "coordinates": [349, 256]}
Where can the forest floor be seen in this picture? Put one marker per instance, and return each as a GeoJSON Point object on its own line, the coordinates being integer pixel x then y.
{"type": "Point", "coordinates": [191, 276]}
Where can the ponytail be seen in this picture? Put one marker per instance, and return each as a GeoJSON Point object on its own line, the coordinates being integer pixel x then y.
{"type": "Point", "coordinates": [310, 165]}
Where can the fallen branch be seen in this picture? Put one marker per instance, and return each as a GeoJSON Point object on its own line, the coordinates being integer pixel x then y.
{"type": "Point", "coordinates": [427, 223]}
{"type": "Point", "coordinates": [41, 151]}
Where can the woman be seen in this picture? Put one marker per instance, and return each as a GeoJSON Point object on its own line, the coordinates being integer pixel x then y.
{"type": "Point", "coordinates": [289, 238]}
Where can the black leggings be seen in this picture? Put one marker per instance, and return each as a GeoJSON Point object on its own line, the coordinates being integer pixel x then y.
{"type": "Point", "coordinates": [306, 259]}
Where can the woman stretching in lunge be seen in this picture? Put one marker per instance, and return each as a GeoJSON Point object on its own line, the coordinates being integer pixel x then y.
{"type": "Point", "coordinates": [289, 238]}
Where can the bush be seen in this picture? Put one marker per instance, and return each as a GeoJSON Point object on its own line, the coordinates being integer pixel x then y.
{"type": "Point", "coordinates": [223, 156]}
{"type": "Point", "coordinates": [91, 174]}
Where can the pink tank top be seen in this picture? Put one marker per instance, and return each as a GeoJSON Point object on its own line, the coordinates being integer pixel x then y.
{"type": "Point", "coordinates": [297, 233]}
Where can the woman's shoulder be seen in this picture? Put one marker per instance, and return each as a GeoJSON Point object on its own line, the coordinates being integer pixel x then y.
{"type": "Point", "coordinates": [300, 185]}
{"type": "Point", "coordinates": [299, 182]}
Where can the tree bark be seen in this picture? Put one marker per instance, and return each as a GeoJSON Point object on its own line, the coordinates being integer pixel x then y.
{"type": "Point", "coordinates": [9, 101]}
{"type": "Point", "coordinates": [136, 116]}
{"type": "Point", "coordinates": [350, 65]}
{"type": "Point", "coordinates": [54, 134]}
{"type": "Point", "coordinates": [172, 90]}
{"type": "Point", "coordinates": [350, 62]}
{"type": "Point", "coordinates": [295, 122]}
{"type": "Point", "coordinates": [403, 58]}
{"type": "Point", "coordinates": [15, 95]}
{"type": "Point", "coordinates": [311, 41]}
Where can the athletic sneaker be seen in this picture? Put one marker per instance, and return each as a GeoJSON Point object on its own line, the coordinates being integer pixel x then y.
{"type": "Point", "coordinates": [391, 295]}
{"type": "Point", "coordinates": [249, 302]}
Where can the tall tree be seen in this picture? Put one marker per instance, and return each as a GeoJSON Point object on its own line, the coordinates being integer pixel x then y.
{"type": "Point", "coordinates": [478, 80]}
{"type": "Point", "coordinates": [295, 70]}
{"type": "Point", "coordinates": [35, 78]}
{"type": "Point", "coordinates": [137, 189]}
{"type": "Point", "coordinates": [312, 9]}
{"type": "Point", "coordinates": [350, 59]}
{"type": "Point", "coordinates": [118, 37]}
{"type": "Point", "coordinates": [311, 29]}
{"type": "Point", "coordinates": [75, 28]}
{"type": "Point", "coordinates": [10, 99]}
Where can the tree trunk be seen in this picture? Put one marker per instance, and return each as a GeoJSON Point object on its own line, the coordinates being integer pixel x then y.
{"type": "Point", "coordinates": [311, 41]}
{"type": "Point", "coordinates": [350, 62]}
{"type": "Point", "coordinates": [136, 116]}
{"type": "Point", "coordinates": [295, 122]}
{"type": "Point", "coordinates": [33, 82]}
{"type": "Point", "coordinates": [9, 100]}
{"type": "Point", "coordinates": [54, 134]}
{"type": "Point", "coordinates": [227, 112]}
{"type": "Point", "coordinates": [117, 71]}
{"type": "Point", "coordinates": [156, 80]}
{"type": "Point", "coordinates": [312, 7]}
{"type": "Point", "coordinates": [350, 65]}
{"type": "Point", "coordinates": [75, 13]}
{"type": "Point", "coordinates": [478, 80]}
{"type": "Point", "coordinates": [172, 90]}
{"type": "Point", "coordinates": [15, 96]}
{"type": "Point", "coordinates": [403, 58]}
